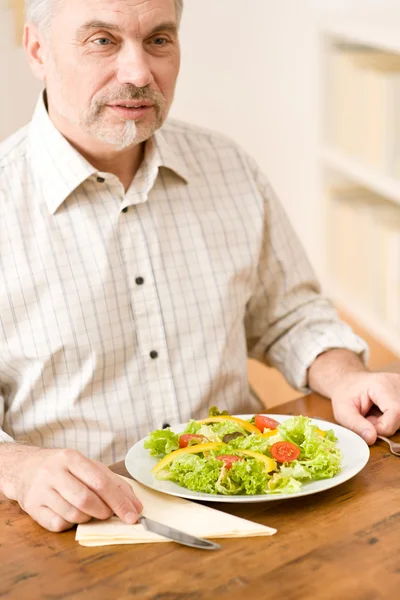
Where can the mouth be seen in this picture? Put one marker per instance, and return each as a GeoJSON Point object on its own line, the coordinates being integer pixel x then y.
{"type": "Point", "coordinates": [132, 103]}
{"type": "Point", "coordinates": [132, 110]}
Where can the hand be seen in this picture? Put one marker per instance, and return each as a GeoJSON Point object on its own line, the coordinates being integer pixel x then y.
{"type": "Point", "coordinates": [360, 392]}
{"type": "Point", "coordinates": [59, 488]}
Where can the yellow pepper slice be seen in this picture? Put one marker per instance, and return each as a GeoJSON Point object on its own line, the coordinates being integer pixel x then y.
{"type": "Point", "coordinates": [245, 424]}
{"type": "Point", "coordinates": [196, 449]}
{"type": "Point", "coordinates": [269, 433]}
{"type": "Point", "coordinates": [320, 431]}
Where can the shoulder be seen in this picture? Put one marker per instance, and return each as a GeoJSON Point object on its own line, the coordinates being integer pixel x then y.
{"type": "Point", "coordinates": [198, 137]}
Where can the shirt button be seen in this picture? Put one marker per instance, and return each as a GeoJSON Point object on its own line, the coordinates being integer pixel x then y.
{"type": "Point", "coordinates": [153, 354]}
{"type": "Point", "coordinates": [139, 280]}
{"type": "Point", "coordinates": [165, 425]}
{"type": "Point", "coordinates": [101, 179]}
{"type": "Point", "coordinates": [125, 210]}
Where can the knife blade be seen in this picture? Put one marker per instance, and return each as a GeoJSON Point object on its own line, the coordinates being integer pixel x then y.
{"type": "Point", "coordinates": [177, 536]}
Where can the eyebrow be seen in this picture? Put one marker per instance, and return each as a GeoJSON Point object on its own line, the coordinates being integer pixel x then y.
{"type": "Point", "coordinates": [168, 26]}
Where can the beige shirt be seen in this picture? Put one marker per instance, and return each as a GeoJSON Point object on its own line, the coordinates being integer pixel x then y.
{"type": "Point", "coordinates": [120, 312]}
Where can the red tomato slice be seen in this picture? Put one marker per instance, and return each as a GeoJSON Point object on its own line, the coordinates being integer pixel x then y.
{"type": "Point", "coordinates": [263, 422]}
{"type": "Point", "coordinates": [228, 459]}
{"type": "Point", "coordinates": [285, 451]}
{"type": "Point", "coordinates": [185, 438]}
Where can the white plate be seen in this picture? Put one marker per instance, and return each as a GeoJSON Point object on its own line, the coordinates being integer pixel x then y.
{"type": "Point", "coordinates": [355, 453]}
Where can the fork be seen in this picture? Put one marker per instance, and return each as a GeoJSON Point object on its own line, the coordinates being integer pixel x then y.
{"type": "Point", "coordinates": [394, 446]}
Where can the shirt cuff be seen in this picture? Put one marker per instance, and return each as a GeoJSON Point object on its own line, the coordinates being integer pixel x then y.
{"type": "Point", "coordinates": [300, 354]}
{"type": "Point", "coordinates": [357, 346]}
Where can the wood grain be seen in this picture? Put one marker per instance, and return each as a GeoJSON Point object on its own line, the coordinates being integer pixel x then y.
{"type": "Point", "coordinates": [340, 544]}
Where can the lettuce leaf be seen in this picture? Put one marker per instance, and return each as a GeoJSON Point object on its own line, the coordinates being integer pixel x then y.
{"type": "Point", "coordinates": [162, 442]}
{"type": "Point", "coordinates": [283, 485]}
{"type": "Point", "coordinates": [214, 432]}
{"type": "Point", "coordinates": [195, 472]}
{"type": "Point", "coordinates": [215, 412]}
{"type": "Point", "coordinates": [320, 458]}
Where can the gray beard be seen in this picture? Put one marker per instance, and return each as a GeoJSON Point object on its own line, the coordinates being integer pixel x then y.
{"type": "Point", "coordinates": [120, 138]}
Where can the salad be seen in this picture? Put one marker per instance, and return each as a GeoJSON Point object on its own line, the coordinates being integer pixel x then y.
{"type": "Point", "coordinates": [227, 455]}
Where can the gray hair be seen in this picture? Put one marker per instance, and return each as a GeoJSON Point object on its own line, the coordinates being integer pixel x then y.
{"type": "Point", "coordinates": [40, 11]}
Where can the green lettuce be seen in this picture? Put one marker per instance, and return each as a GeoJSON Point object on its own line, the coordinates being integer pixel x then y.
{"type": "Point", "coordinates": [214, 432]}
{"type": "Point", "coordinates": [195, 472]}
{"type": "Point", "coordinates": [283, 485]}
{"type": "Point", "coordinates": [208, 475]}
{"type": "Point", "coordinates": [215, 412]}
{"type": "Point", "coordinates": [320, 458]}
{"type": "Point", "coordinates": [162, 442]}
{"type": "Point", "coordinates": [193, 427]}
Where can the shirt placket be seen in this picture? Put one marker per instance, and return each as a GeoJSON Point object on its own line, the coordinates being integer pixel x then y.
{"type": "Point", "coordinates": [139, 249]}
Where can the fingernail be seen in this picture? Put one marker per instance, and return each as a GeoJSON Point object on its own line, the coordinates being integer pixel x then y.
{"type": "Point", "coordinates": [131, 517]}
{"type": "Point", "coordinates": [367, 435]}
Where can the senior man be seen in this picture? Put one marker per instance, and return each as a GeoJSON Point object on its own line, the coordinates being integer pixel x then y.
{"type": "Point", "coordinates": [141, 262]}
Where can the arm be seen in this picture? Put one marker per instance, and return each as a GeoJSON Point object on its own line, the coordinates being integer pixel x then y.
{"type": "Point", "coordinates": [328, 370]}
{"type": "Point", "coordinates": [288, 322]}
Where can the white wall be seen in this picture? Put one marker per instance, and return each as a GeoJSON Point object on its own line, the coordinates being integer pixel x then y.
{"type": "Point", "coordinates": [249, 70]}
{"type": "Point", "coordinates": [18, 88]}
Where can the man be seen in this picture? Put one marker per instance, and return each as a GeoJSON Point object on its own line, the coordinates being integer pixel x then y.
{"type": "Point", "coordinates": [139, 268]}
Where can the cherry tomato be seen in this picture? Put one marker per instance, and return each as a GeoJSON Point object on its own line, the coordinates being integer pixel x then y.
{"type": "Point", "coordinates": [285, 451]}
{"type": "Point", "coordinates": [263, 422]}
{"type": "Point", "coordinates": [228, 459]}
{"type": "Point", "coordinates": [185, 438]}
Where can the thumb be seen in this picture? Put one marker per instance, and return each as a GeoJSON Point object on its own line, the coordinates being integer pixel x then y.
{"type": "Point", "coordinates": [348, 415]}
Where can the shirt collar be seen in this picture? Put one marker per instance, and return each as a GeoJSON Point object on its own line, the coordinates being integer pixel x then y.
{"type": "Point", "coordinates": [60, 169]}
{"type": "Point", "coordinates": [168, 157]}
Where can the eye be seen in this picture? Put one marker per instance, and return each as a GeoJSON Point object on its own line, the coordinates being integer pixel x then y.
{"type": "Point", "coordinates": [160, 41]}
{"type": "Point", "coordinates": [103, 41]}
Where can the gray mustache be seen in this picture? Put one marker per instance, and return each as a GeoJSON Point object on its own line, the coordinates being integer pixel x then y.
{"type": "Point", "coordinates": [134, 94]}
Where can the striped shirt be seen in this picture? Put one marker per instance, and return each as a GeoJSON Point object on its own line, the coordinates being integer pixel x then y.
{"type": "Point", "coordinates": [120, 312]}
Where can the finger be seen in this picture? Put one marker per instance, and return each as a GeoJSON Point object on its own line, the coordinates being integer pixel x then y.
{"type": "Point", "coordinates": [126, 489]}
{"type": "Point", "coordinates": [48, 519]}
{"type": "Point", "coordinates": [373, 419]}
{"type": "Point", "coordinates": [389, 422]}
{"type": "Point", "coordinates": [81, 497]}
{"type": "Point", "coordinates": [64, 509]}
{"type": "Point", "coordinates": [347, 413]}
{"type": "Point", "coordinates": [385, 394]}
{"type": "Point", "coordinates": [103, 483]}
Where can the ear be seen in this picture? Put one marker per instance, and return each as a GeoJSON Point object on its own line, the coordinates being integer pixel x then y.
{"type": "Point", "coordinates": [34, 44]}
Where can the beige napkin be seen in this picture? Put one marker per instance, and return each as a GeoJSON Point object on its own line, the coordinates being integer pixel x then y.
{"type": "Point", "coordinates": [185, 515]}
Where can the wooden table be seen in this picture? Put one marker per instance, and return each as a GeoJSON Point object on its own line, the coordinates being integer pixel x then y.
{"type": "Point", "coordinates": [340, 544]}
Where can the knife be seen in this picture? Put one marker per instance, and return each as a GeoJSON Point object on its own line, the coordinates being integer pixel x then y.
{"type": "Point", "coordinates": [177, 536]}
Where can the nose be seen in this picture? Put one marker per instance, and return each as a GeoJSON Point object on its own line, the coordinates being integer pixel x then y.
{"type": "Point", "coordinates": [134, 67]}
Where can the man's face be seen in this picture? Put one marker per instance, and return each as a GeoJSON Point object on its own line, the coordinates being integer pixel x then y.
{"type": "Point", "coordinates": [111, 66]}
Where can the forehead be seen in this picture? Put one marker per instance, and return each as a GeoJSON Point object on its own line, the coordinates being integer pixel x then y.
{"type": "Point", "coordinates": [129, 15]}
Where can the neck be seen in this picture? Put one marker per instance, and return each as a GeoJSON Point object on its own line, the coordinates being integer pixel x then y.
{"type": "Point", "coordinates": [122, 163]}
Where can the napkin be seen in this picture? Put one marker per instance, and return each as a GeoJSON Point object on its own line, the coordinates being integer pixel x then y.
{"type": "Point", "coordinates": [190, 517]}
